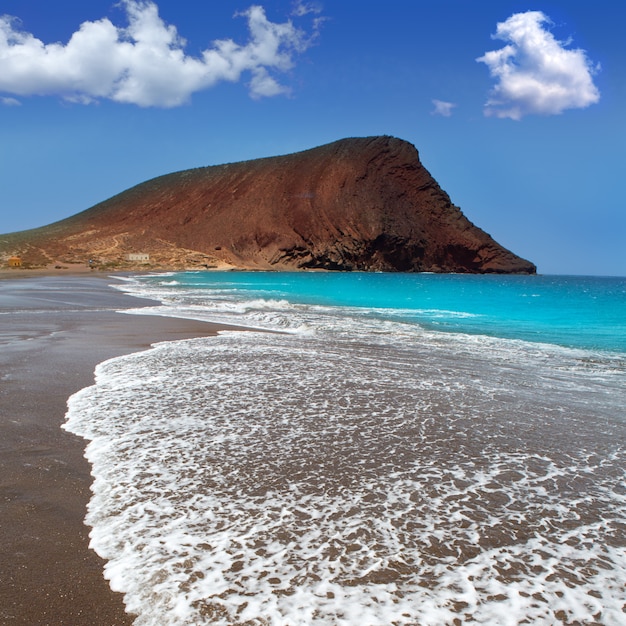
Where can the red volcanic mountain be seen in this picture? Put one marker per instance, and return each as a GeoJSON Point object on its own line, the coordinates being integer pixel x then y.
{"type": "Point", "coordinates": [356, 204]}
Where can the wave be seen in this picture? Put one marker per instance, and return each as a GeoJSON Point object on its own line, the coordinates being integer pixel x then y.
{"type": "Point", "coordinates": [291, 479]}
{"type": "Point", "coordinates": [355, 467]}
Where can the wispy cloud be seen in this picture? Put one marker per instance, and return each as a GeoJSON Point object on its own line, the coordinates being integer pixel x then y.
{"type": "Point", "coordinates": [535, 73]}
{"type": "Point", "coordinates": [10, 102]}
{"type": "Point", "coordinates": [304, 8]}
{"type": "Point", "coordinates": [145, 62]}
{"type": "Point", "coordinates": [442, 108]}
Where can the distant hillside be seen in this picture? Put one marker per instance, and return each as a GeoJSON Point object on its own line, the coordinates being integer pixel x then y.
{"type": "Point", "coordinates": [356, 204]}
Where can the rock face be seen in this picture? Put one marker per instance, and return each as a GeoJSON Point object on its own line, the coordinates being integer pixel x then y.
{"type": "Point", "coordinates": [356, 204]}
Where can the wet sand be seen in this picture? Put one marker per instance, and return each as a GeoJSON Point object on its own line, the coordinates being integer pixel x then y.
{"type": "Point", "coordinates": [54, 330]}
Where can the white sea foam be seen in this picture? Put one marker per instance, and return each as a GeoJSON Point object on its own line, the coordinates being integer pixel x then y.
{"type": "Point", "coordinates": [364, 472]}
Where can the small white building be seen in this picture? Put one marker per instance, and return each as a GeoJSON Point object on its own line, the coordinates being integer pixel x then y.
{"type": "Point", "coordinates": [141, 257]}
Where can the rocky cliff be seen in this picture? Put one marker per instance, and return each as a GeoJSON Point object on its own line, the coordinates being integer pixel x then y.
{"type": "Point", "coordinates": [356, 204]}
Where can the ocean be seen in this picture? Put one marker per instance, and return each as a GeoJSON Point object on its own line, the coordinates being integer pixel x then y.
{"type": "Point", "coordinates": [377, 449]}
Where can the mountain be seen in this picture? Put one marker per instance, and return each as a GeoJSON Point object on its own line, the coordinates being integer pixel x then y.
{"type": "Point", "coordinates": [355, 204]}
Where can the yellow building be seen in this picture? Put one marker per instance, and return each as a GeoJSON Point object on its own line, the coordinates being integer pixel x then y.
{"type": "Point", "coordinates": [15, 261]}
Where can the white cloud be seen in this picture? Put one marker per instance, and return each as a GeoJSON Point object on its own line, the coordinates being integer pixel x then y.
{"type": "Point", "coordinates": [304, 8]}
{"type": "Point", "coordinates": [301, 9]}
{"type": "Point", "coordinates": [534, 72]}
{"type": "Point", "coordinates": [442, 108]}
{"type": "Point", "coordinates": [144, 63]}
{"type": "Point", "coordinates": [10, 102]}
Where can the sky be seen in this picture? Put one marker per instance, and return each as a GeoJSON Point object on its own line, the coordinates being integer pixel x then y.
{"type": "Point", "coordinates": [518, 109]}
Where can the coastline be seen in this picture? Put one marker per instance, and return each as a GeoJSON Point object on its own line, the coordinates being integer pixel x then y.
{"type": "Point", "coordinates": [420, 428]}
{"type": "Point", "coordinates": [56, 328]}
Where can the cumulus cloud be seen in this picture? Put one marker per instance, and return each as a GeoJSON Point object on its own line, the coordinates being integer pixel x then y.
{"type": "Point", "coordinates": [535, 73]}
{"type": "Point", "coordinates": [145, 62]}
{"type": "Point", "coordinates": [442, 108]}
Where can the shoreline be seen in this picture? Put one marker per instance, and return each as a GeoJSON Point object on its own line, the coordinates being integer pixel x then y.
{"type": "Point", "coordinates": [55, 329]}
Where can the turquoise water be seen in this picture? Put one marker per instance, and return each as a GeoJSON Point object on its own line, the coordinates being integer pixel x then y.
{"type": "Point", "coordinates": [571, 311]}
{"type": "Point", "coordinates": [407, 449]}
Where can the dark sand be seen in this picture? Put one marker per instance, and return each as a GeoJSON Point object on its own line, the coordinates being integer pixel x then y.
{"type": "Point", "coordinates": [54, 330]}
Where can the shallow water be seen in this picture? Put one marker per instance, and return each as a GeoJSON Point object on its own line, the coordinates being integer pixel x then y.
{"type": "Point", "coordinates": [359, 468]}
{"type": "Point", "coordinates": [572, 311]}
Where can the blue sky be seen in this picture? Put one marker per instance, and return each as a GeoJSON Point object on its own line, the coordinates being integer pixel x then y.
{"type": "Point", "coordinates": [530, 141]}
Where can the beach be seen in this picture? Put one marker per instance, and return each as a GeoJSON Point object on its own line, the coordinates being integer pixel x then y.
{"type": "Point", "coordinates": [54, 330]}
{"type": "Point", "coordinates": [401, 449]}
